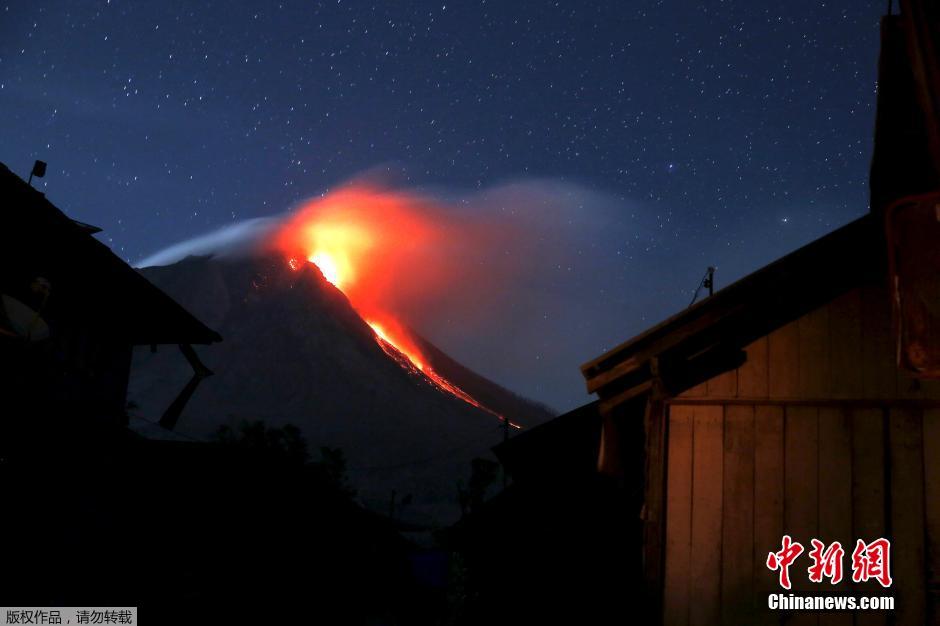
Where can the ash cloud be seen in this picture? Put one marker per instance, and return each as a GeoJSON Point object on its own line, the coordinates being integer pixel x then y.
{"type": "Point", "coordinates": [237, 238]}
{"type": "Point", "coordinates": [531, 278]}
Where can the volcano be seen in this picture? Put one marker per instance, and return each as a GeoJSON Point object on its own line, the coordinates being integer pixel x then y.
{"type": "Point", "coordinates": [295, 351]}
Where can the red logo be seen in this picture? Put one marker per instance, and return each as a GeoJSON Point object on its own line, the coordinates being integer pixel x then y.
{"type": "Point", "coordinates": [783, 559]}
{"type": "Point", "coordinates": [827, 562]}
{"type": "Point", "coordinates": [869, 561]}
{"type": "Point", "coordinates": [872, 560]}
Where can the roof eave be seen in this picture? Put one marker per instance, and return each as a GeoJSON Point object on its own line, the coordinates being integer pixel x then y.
{"type": "Point", "coordinates": [716, 329]}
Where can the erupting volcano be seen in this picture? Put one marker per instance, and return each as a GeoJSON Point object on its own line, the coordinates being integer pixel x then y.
{"type": "Point", "coordinates": [371, 244]}
{"type": "Point", "coordinates": [337, 351]}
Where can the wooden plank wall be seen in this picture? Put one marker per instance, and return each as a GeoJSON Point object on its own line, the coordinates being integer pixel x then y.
{"type": "Point", "coordinates": [739, 476]}
{"type": "Point", "coordinates": [931, 437]}
{"type": "Point", "coordinates": [817, 435]}
{"type": "Point", "coordinates": [869, 492]}
{"type": "Point", "coordinates": [843, 350]}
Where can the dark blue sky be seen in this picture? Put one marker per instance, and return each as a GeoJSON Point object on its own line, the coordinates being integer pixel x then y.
{"type": "Point", "coordinates": [736, 130]}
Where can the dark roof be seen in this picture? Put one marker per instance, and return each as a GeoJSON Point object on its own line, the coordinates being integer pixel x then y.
{"type": "Point", "coordinates": [88, 281]}
{"type": "Point", "coordinates": [88, 228]}
{"type": "Point", "coordinates": [565, 445]}
{"type": "Point", "coordinates": [708, 338]}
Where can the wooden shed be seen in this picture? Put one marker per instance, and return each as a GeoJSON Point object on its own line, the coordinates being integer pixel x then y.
{"type": "Point", "coordinates": [776, 406]}
{"type": "Point", "coordinates": [803, 399]}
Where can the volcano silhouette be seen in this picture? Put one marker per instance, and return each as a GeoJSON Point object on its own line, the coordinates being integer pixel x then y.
{"type": "Point", "coordinates": [295, 351]}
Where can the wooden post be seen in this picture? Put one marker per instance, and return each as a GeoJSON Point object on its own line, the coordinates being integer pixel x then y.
{"type": "Point", "coordinates": [654, 527]}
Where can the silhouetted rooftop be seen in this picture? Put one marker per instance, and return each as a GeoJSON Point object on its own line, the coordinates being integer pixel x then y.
{"type": "Point", "coordinates": [87, 280]}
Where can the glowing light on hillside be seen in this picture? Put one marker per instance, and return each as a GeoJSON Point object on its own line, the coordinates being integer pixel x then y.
{"type": "Point", "coordinates": [356, 236]}
{"type": "Point", "coordinates": [328, 267]}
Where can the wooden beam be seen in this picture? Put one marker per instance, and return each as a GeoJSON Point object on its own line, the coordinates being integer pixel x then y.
{"type": "Point", "coordinates": [654, 506]}
{"type": "Point", "coordinates": [678, 539]}
{"type": "Point", "coordinates": [173, 412]}
{"type": "Point", "coordinates": [607, 405]}
{"type": "Point", "coordinates": [860, 403]}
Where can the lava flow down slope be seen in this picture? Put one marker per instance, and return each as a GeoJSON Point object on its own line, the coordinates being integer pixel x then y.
{"type": "Point", "coordinates": [315, 335]}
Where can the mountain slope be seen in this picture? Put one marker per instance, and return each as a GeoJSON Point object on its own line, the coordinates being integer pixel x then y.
{"type": "Point", "coordinates": [295, 351]}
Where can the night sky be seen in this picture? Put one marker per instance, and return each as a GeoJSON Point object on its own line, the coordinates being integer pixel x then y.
{"type": "Point", "coordinates": [712, 133]}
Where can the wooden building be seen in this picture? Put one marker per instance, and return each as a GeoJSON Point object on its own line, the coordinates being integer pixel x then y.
{"type": "Point", "coordinates": [777, 407]}
{"type": "Point", "coordinates": [71, 312]}
{"type": "Point", "coordinates": [803, 399]}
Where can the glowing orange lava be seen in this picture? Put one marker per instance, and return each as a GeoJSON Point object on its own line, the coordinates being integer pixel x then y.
{"type": "Point", "coordinates": [406, 348]}
{"type": "Point", "coordinates": [408, 351]}
{"type": "Point", "coordinates": [365, 242]}
{"type": "Point", "coordinates": [328, 267]}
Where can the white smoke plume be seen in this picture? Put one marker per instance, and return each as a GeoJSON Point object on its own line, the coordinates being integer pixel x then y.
{"type": "Point", "coordinates": [561, 274]}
